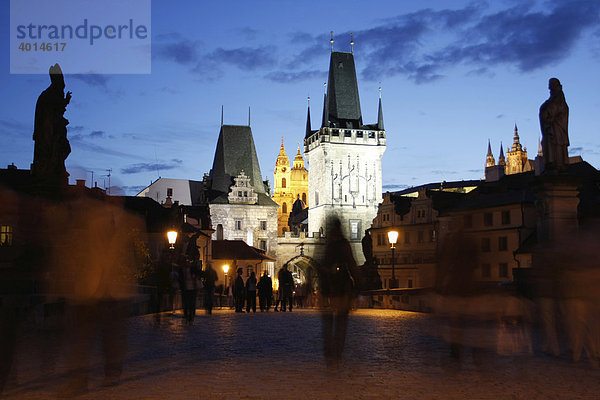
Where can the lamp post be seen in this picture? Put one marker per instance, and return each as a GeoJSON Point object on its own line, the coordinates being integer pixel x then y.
{"type": "Point", "coordinates": [393, 238]}
{"type": "Point", "coordinates": [225, 289]}
{"type": "Point", "coordinates": [172, 238]}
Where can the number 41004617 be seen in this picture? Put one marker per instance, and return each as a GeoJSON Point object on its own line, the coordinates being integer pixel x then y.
{"type": "Point", "coordinates": [44, 46]}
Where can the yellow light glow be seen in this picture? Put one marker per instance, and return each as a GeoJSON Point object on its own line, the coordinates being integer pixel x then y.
{"type": "Point", "coordinates": [172, 237]}
{"type": "Point", "coordinates": [393, 237]}
{"type": "Point", "coordinates": [226, 268]}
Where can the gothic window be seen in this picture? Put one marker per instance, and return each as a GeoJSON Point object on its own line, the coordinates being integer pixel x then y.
{"type": "Point", "coordinates": [219, 232]}
{"type": "Point", "coordinates": [284, 208]}
{"type": "Point", "coordinates": [283, 182]}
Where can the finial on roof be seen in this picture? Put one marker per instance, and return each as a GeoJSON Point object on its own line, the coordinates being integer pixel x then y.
{"type": "Point", "coordinates": [379, 89]}
{"type": "Point", "coordinates": [325, 87]}
{"type": "Point", "coordinates": [308, 100]}
{"type": "Point", "coordinates": [380, 113]}
{"type": "Point", "coordinates": [331, 41]}
{"type": "Point", "coordinates": [352, 42]}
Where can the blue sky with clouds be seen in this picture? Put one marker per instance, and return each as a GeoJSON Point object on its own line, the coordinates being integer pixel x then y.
{"type": "Point", "coordinates": [454, 74]}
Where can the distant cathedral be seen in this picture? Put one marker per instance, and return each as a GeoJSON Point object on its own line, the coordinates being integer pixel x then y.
{"type": "Point", "coordinates": [516, 160]}
{"type": "Point", "coordinates": [291, 186]}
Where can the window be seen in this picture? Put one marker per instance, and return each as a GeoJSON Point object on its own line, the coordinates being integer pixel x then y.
{"type": "Point", "coordinates": [468, 221]}
{"type": "Point", "coordinates": [488, 219]}
{"type": "Point", "coordinates": [420, 237]}
{"type": "Point", "coordinates": [263, 225]}
{"type": "Point", "coordinates": [379, 239]}
{"type": "Point", "coordinates": [506, 217]}
{"type": "Point", "coordinates": [485, 244]}
{"type": "Point", "coordinates": [6, 235]}
{"type": "Point", "coordinates": [239, 193]}
{"type": "Point", "coordinates": [245, 193]}
{"type": "Point", "coordinates": [486, 271]}
{"type": "Point", "coordinates": [284, 208]}
{"type": "Point", "coordinates": [502, 243]}
{"type": "Point", "coordinates": [169, 192]}
{"type": "Point", "coordinates": [238, 224]}
{"type": "Point", "coordinates": [407, 237]}
{"type": "Point", "coordinates": [503, 270]}
{"type": "Point", "coordinates": [433, 236]}
{"type": "Point", "coordinates": [354, 229]}
{"type": "Point", "coordinates": [263, 244]}
{"type": "Point", "coordinates": [410, 283]}
{"type": "Point", "coordinates": [283, 182]}
{"type": "Point", "coordinates": [219, 232]}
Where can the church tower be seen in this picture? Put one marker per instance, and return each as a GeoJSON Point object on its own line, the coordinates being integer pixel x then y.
{"type": "Point", "coordinates": [282, 194]}
{"type": "Point", "coordinates": [344, 158]}
{"type": "Point", "coordinates": [516, 157]}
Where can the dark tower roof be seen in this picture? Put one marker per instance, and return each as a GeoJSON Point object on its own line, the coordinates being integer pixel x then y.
{"type": "Point", "coordinates": [380, 115]}
{"type": "Point", "coordinates": [343, 103]}
{"type": "Point", "coordinates": [308, 129]}
{"type": "Point", "coordinates": [235, 152]}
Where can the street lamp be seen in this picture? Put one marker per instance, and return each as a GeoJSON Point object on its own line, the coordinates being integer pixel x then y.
{"type": "Point", "coordinates": [172, 237]}
{"type": "Point", "coordinates": [393, 238]}
{"type": "Point", "coordinates": [225, 270]}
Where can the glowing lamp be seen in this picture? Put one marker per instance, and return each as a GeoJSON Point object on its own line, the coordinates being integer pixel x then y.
{"type": "Point", "coordinates": [172, 237]}
{"type": "Point", "coordinates": [393, 237]}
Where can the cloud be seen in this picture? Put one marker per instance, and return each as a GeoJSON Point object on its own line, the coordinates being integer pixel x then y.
{"type": "Point", "coordinates": [443, 172]}
{"type": "Point", "coordinates": [96, 80]}
{"type": "Point", "coordinates": [423, 45]}
{"type": "Point", "coordinates": [288, 77]}
{"type": "Point", "coordinates": [395, 186]}
{"type": "Point", "coordinates": [149, 167]}
{"type": "Point", "coordinates": [130, 190]}
{"type": "Point", "coordinates": [175, 49]}
{"type": "Point", "coordinates": [96, 134]}
{"type": "Point", "coordinates": [15, 126]}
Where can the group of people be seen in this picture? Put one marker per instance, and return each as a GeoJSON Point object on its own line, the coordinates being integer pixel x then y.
{"type": "Point", "coordinates": [246, 292]}
{"type": "Point", "coordinates": [188, 278]}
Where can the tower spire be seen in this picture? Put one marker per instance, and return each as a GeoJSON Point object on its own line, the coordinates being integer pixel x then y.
{"type": "Point", "coordinates": [308, 128]}
{"type": "Point", "coordinates": [489, 159]}
{"type": "Point", "coordinates": [248, 115]}
{"type": "Point", "coordinates": [352, 43]}
{"type": "Point", "coordinates": [501, 159]}
{"type": "Point", "coordinates": [221, 114]}
{"type": "Point", "coordinates": [325, 121]}
{"type": "Point", "coordinates": [331, 40]}
{"type": "Point", "coordinates": [380, 113]}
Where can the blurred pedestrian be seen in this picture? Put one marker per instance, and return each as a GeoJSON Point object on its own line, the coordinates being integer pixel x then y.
{"type": "Point", "coordinates": [188, 278]}
{"type": "Point", "coordinates": [265, 292]}
{"type": "Point", "coordinates": [210, 277]}
{"type": "Point", "coordinates": [336, 288]}
{"type": "Point", "coordinates": [286, 286]}
{"type": "Point", "coordinates": [238, 291]}
{"type": "Point", "coordinates": [173, 290]}
{"type": "Point", "coordinates": [251, 292]}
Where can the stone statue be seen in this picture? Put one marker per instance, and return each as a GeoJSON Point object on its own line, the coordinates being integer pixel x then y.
{"type": "Point", "coordinates": [554, 122]}
{"type": "Point", "coordinates": [50, 132]}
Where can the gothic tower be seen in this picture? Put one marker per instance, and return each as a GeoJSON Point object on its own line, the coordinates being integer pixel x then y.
{"type": "Point", "coordinates": [344, 157]}
{"type": "Point", "coordinates": [516, 157]}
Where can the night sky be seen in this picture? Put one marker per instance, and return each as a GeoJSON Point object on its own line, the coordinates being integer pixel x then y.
{"type": "Point", "coordinates": [453, 75]}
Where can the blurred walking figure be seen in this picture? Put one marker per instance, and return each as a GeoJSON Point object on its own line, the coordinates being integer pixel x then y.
{"type": "Point", "coordinates": [265, 292]}
{"type": "Point", "coordinates": [210, 277]}
{"type": "Point", "coordinates": [286, 288]}
{"type": "Point", "coordinates": [173, 290]}
{"type": "Point", "coordinates": [251, 292]}
{"type": "Point", "coordinates": [336, 289]}
{"type": "Point", "coordinates": [188, 278]}
{"type": "Point", "coordinates": [238, 291]}
{"type": "Point", "coordinates": [278, 292]}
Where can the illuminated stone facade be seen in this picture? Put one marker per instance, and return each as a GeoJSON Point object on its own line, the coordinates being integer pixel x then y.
{"type": "Point", "coordinates": [290, 184]}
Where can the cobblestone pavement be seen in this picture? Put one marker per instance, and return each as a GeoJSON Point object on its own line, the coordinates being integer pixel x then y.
{"type": "Point", "coordinates": [389, 355]}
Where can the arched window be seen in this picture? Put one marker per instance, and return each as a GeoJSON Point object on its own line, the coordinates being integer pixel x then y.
{"type": "Point", "coordinates": [284, 208]}
{"type": "Point", "coordinates": [283, 182]}
{"type": "Point", "coordinates": [219, 232]}
{"type": "Point", "coordinates": [304, 198]}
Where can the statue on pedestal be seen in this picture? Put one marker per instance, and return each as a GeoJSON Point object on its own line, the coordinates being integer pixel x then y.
{"type": "Point", "coordinates": [50, 133]}
{"type": "Point", "coordinates": [554, 122]}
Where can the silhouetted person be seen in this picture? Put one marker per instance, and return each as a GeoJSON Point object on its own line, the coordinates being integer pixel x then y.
{"type": "Point", "coordinates": [188, 278]}
{"type": "Point", "coordinates": [278, 292]}
{"type": "Point", "coordinates": [251, 292]}
{"type": "Point", "coordinates": [286, 287]}
{"type": "Point", "coordinates": [554, 123]}
{"type": "Point", "coordinates": [336, 288]}
{"type": "Point", "coordinates": [238, 291]}
{"type": "Point", "coordinates": [265, 291]}
{"type": "Point", "coordinates": [210, 277]}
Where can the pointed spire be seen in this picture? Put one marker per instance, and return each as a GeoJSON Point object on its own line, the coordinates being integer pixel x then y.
{"type": "Point", "coordinates": [221, 114]}
{"type": "Point", "coordinates": [516, 142]}
{"type": "Point", "coordinates": [325, 120]}
{"type": "Point", "coordinates": [489, 159]}
{"type": "Point", "coordinates": [248, 115]}
{"type": "Point", "coordinates": [352, 43]}
{"type": "Point", "coordinates": [331, 41]}
{"type": "Point", "coordinates": [501, 159]}
{"type": "Point", "coordinates": [380, 113]}
{"type": "Point", "coordinates": [308, 127]}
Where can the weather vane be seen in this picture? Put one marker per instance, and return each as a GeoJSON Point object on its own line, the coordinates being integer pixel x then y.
{"type": "Point", "coordinates": [331, 40]}
{"type": "Point", "coordinates": [352, 42]}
